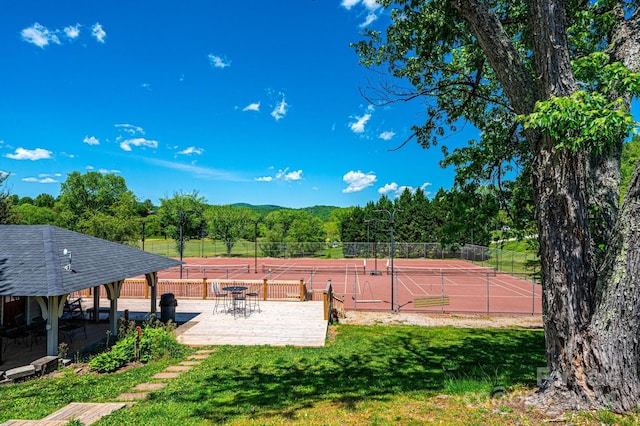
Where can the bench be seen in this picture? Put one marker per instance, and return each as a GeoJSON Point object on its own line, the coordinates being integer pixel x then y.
{"type": "Point", "coordinates": [430, 301]}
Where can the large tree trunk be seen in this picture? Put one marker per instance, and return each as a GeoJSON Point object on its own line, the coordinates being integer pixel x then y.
{"type": "Point", "coordinates": [590, 252]}
{"type": "Point", "coordinates": [615, 326]}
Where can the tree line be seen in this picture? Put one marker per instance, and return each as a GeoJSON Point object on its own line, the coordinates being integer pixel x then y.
{"type": "Point", "coordinates": [101, 205]}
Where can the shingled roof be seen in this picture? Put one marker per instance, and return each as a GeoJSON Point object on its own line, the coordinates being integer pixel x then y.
{"type": "Point", "coordinates": [32, 261]}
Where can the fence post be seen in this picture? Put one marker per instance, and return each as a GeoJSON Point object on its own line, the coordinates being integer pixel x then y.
{"type": "Point", "coordinates": [533, 295]}
{"type": "Point", "coordinates": [265, 288]}
{"type": "Point", "coordinates": [442, 292]}
{"type": "Point", "coordinates": [302, 295]}
{"type": "Point", "coordinates": [488, 309]}
{"type": "Point", "coordinates": [204, 287]}
{"type": "Point", "coordinates": [325, 303]}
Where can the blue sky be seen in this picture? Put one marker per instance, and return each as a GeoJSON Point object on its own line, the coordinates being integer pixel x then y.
{"type": "Point", "coordinates": [254, 102]}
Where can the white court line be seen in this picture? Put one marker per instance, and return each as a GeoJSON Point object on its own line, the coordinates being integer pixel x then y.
{"type": "Point", "coordinates": [514, 287]}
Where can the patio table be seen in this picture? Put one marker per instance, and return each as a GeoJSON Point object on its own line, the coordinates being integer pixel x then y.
{"type": "Point", "coordinates": [237, 293]}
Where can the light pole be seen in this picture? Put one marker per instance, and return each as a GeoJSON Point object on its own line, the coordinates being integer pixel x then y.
{"type": "Point", "coordinates": [181, 219]}
{"type": "Point", "coordinates": [144, 222]}
{"type": "Point", "coordinates": [368, 240]}
{"type": "Point", "coordinates": [255, 245]}
{"type": "Point", "coordinates": [392, 216]}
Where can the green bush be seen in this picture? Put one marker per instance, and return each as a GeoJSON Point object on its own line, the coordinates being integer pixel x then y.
{"type": "Point", "coordinates": [153, 341]}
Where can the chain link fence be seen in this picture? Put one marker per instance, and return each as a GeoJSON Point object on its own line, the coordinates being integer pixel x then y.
{"type": "Point", "coordinates": [521, 264]}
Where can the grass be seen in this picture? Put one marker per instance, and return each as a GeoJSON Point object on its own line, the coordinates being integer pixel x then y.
{"type": "Point", "coordinates": [378, 375]}
{"type": "Point", "coordinates": [35, 399]}
{"type": "Point", "coordinates": [209, 248]}
{"type": "Point", "coordinates": [366, 375]}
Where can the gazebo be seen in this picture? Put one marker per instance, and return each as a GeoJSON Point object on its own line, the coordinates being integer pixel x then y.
{"type": "Point", "coordinates": [40, 265]}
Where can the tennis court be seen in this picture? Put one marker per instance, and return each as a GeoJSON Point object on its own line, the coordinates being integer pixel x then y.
{"type": "Point", "coordinates": [422, 285]}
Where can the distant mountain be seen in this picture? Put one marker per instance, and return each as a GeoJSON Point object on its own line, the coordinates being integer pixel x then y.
{"type": "Point", "coordinates": [262, 210]}
{"type": "Point", "coordinates": [322, 212]}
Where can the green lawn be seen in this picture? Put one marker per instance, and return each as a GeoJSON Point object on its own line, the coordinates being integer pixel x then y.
{"type": "Point", "coordinates": [364, 372]}
{"type": "Point", "coordinates": [383, 375]}
{"type": "Point", "coordinates": [209, 248]}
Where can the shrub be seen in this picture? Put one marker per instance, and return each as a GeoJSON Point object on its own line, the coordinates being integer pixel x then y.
{"type": "Point", "coordinates": [152, 341]}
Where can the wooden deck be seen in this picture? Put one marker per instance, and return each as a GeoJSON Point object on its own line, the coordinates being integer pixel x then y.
{"type": "Point", "coordinates": [278, 323]}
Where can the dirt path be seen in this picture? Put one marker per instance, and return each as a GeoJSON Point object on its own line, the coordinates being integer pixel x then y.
{"type": "Point", "coordinates": [435, 320]}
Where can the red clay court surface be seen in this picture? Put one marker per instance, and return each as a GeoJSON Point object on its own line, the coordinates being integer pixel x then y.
{"type": "Point", "coordinates": [470, 288]}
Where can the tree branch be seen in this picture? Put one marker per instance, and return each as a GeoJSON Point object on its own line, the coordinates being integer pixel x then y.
{"type": "Point", "coordinates": [505, 60]}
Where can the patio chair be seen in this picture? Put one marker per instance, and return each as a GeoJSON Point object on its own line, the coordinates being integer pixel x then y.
{"type": "Point", "coordinates": [239, 303]}
{"type": "Point", "coordinates": [221, 297]}
{"type": "Point", "coordinates": [72, 319]}
{"type": "Point", "coordinates": [37, 328]}
{"type": "Point", "coordinates": [253, 300]}
{"type": "Point", "coordinates": [17, 332]}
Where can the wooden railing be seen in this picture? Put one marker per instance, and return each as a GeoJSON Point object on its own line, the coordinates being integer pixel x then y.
{"type": "Point", "coordinates": [281, 290]}
{"type": "Point", "coordinates": [333, 303]}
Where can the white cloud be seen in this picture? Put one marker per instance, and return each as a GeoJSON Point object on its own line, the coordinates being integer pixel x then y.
{"type": "Point", "coordinates": [396, 190]}
{"type": "Point", "coordinates": [30, 154]}
{"type": "Point", "coordinates": [40, 180]}
{"type": "Point", "coordinates": [107, 171]}
{"type": "Point", "coordinates": [218, 61]}
{"type": "Point", "coordinates": [198, 171]}
{"type": "Point", "coordinates": [370, 7]}
{"type": "Point", "coordinates": [387, 136]}
{"type": "Point", "coordinates": [371, 4]}
{"type": "Point", "coordinates": [42, 36]}
{"type": "Point", "coordinates": [289, 176]}
{"type": "Point", "coordinates": [371, 17]}
{"type": "Point", "coordinates": [348, 4]}
{"type": "Point", "coordinates": [294, 175]}
{"type": "Point", "coordinates": [39, 35]}
{"type": "Point", "coordinates": [252, 107]}
{"type": "Point", "coordinates": [89, 167]}
{"type": "Point", "coordinates": [357, 181]}
{"type": "Point", "coordinates": [72, 31]}
{"type": "Point", "coordinates": [98, 32]}
{"type": "Point", "coordinates": [280, 110]}
{"type": "Point", "coordinates": [358, 125]}
{"type": "Point", "coordinates": [146, 86]}
{"type": "Point", "coordinates": [91, 140]}
{"type": "Point", "coordinates": [130, 128]}
{"type": "Point", "coordinates": [387, 188]}
{"type": "Point", "coordinates": [191, 150]}
{"type": "Point", "coordinates": [126, 144]}
{"type": "Point", "coordinates": [264, 179]}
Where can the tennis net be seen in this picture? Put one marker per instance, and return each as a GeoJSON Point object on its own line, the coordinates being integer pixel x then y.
{"type": "Point", "coordinates": [418, 270]}
{"type": "Point", "coordinates": [308, 268]}
{"type": "Point", "coordinates": [220, 268]}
